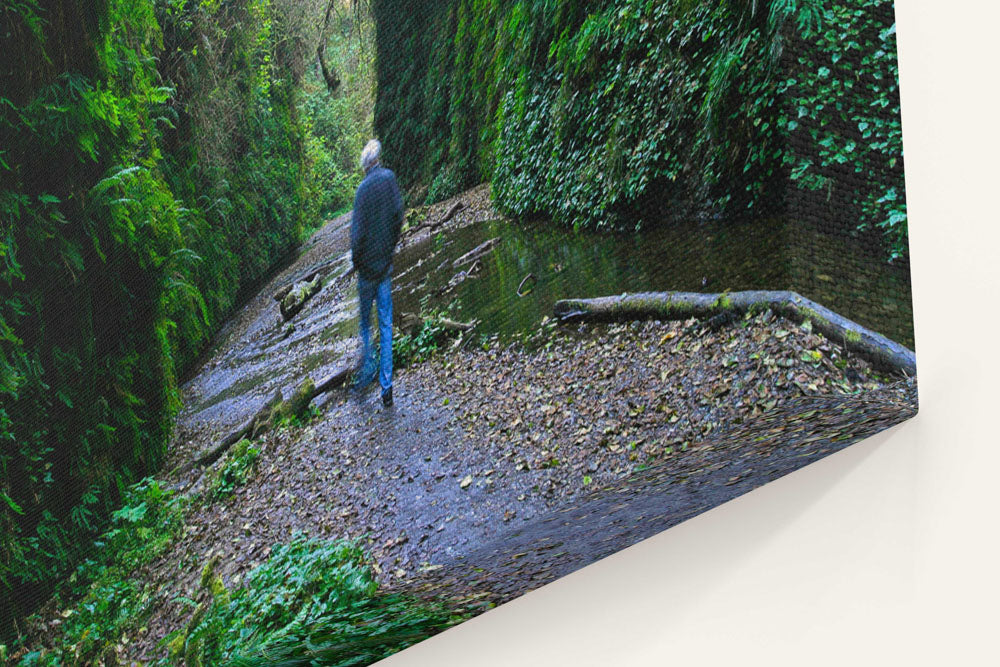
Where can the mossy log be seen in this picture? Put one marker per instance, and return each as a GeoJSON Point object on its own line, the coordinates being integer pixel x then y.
{"type": "Point", "coordinates": [297, 297]}
{"type": "Point", "coordinates": [274, 409]}
{"type": "Point", "coordinates": [884, 354]}
{"type": "Point", "coordinates": [297, 403]}
{"type": "Point", "coordinates": [334, 381]}
{"type": "Point", "coordinates": [283, 292]}
{"type": "Point", "coordinates": [308, 278]}
{"type": "Point", "coordinates": [246, 428]}
{"type": "Point", "coordinates": [317, 270]}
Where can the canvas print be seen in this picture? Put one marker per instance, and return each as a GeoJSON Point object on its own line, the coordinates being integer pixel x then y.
{"type": "Point", "coordinates": [330, 324]}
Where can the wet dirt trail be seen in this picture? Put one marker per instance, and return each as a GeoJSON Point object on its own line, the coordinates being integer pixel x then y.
{"type": "Point", "coordinates": [647, 502]}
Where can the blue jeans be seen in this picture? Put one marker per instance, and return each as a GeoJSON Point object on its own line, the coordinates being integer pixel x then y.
{"type": "Point", "coordinates": [380, 292]}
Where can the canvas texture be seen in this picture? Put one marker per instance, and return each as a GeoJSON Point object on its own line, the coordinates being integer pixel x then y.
{"type": "Point", "coordinates": [328, 325]}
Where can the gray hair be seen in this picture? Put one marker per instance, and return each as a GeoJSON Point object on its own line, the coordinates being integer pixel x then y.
{"type": "Point", "coordinates": [371, 154]}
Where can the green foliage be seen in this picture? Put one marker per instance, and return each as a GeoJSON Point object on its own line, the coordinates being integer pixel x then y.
{"type": "Point", "coordinates": [240, 463]}
{"type": "Point", "coordinates": [590, 114]}
{"type": "Point", "coordinates": [844, 113]}
{"type": "Point", "coordinates": [153, 163]}
{"type": "Point", "coordinates": [412, 348]}
{"type": "Point", "coordinates": [340, 123]}
{"type": "Point", "coordinates": [360, 634]}
{"type": "Point", "coordinates": [624, 114]}
{"type": "Point", "coordinates": [108, 603]}
{"type": "Point", "coordinates": [313, 600]}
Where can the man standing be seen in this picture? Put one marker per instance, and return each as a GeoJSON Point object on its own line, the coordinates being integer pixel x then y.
{"type": "Point", "coordinates": [375, 225]}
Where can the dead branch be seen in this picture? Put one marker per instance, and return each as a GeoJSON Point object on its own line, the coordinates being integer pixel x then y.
{"type": "Point", "coordinates": [478, 252]}
{"type": "Point", "coordinates": [520, 288]}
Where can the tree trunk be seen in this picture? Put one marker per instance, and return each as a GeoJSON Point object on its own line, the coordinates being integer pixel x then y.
{"type": "Point", "coordinates": [884, 354]}
{"type": "Point", "coordinates": [331, 78]}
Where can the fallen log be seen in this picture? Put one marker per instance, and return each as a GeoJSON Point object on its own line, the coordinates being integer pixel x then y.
{"type": "Point", "coordinates": [318, 269]}
{"type": "Point", "coordinates": [283, 291]}
{"type": "Point", "coordinates": [338, 379]}
{"type": "Point", "coordinates": [884, 354]}
{"type": "Point", "coordinates": [246, 428]}
{"type": "Point", "coordinates": [273, 410]}
{"type": "Point", "coordinates": [478, 252]}
{"type": "Point", "coordinates": [297, 297]}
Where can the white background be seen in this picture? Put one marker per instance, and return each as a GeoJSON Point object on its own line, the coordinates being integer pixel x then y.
{"type": "Point", "coordinates": [886, 553]}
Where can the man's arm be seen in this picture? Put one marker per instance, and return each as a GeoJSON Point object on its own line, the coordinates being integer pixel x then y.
{"type": "Point", "coordinates": [357, 228]}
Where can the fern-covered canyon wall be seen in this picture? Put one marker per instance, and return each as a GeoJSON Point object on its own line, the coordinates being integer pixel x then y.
{"type": "Point", "coordinates": [625, 114]}
{"type": "Point", "coordinates": [156, 158]}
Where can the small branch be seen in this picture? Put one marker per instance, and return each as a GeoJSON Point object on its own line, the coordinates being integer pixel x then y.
{"type": "Point", "coordinates": [520, 288]}
{"type": "Point", "coordinates": [478, 252]}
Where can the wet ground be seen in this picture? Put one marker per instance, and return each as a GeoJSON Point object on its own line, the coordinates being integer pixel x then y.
{"type": "Point", "coordinates": [482, 478]}
{"type": "Point", "coordinates": [647, 502]}
{"type": "Point", "coordinates": [479, 479]}
{"type": "Point", "coordinates": [253, 357]}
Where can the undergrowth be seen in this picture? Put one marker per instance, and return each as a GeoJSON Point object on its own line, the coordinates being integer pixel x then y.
{"type": "Point", "coordinates": [105, 601]}
{"type": "Point", "coordinates": [240, 464]}
{"type": "Point", "coordinates": [313, 602]}
{"type": "Point", "coordinates": [429, 339]}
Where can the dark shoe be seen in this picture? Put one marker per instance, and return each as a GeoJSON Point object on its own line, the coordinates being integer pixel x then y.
{"type": "Point", "coordinates": [387, 397]}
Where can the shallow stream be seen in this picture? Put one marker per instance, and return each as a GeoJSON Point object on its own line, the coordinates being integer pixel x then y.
{"type": "Point", "coordinates": [839, 273]}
